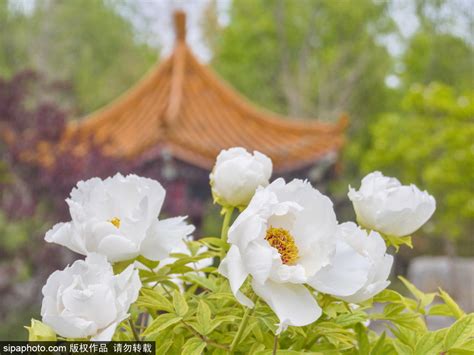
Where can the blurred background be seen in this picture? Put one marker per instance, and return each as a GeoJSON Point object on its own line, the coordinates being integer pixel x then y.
{"type": "Point", "coordinates": [401, 70]}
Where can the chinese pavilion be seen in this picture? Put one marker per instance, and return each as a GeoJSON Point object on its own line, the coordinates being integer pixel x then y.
{"type": "Point", "coordinates": [181, 115]}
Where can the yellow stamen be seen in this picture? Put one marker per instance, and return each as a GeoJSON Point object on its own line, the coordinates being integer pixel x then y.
{"type": "Point", "coordinates": [115, 221]}
{"type": "Point", "coordinates": [284, 242]}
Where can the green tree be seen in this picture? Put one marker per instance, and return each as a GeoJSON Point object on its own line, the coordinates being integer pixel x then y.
{"type": "Point", "coordinates": [86, 43]}
{"type": "Point", "coordinates": [430, 143]}
{"type": "Point", "coordinates": [307, 58]}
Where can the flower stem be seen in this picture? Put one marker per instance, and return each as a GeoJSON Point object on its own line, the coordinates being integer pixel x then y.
{"type": "Point", "coordinates": [225, 226]}
{"type": "Point", "coordinates": [134, 331]}
{"type": "Point", "coordinates": [275, 344]}
{"type": "Point", "coordinates": [242, 325]}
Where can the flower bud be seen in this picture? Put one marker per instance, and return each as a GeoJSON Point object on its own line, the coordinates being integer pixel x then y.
{"type": "Point", "coordinates": [236, 176]}
{"type": "Point", "coordinates": [385, 205]}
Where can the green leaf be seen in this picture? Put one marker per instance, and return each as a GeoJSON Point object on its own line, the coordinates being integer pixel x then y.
{"type": "Point", "coordinates": [396, 242]}
{"type": "Point", "coordinates": [148, 263]}
{"type": "Point", "coordinates": [214, 242]}
{"type": "Point", "coordinates": [155, 300]}
{"type": "Point", "coordinates": [441, 310]}
{"type": "Point", "coordinates": [459, 332]}
{"type": "Point", "coordinates": [201, 281]}
{"type": "Point", "coordinates": [402, 348]}
{"type": "Point", "coordinates": [119, 266]}
{"type": "Point", "coordinates": [430, 343]}
{"type": "Point", "coordinates": [377, 349]}
{"type": "Point", "coordinates": [179, 304]}
{"type": "Point", "coordinates": [160, 323]}
{"type": "Point", "coordinates": [388, 296]}
{"type": "Point", "coordinates": [424, 298]}
{"type": "Point", "coordinates": [457, 312]}
{"type": "Point", "coordinates": [193, 346]}
{"type": "Point", "coordinates": [405, 336]}
{"type": "Point", "coordinates": [456, 351]}
{"type": "Point", "coordinates": [349, 319]}
{"type": "Point", "coordinates": [203, 316]}
{"type": "Point", "coordinates": [163, 348]}
{"type": "Point", "coordinates": [362, 339]}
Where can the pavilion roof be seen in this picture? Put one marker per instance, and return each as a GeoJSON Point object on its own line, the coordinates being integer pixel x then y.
{"type": "Point", "coordinates": [182, 106]}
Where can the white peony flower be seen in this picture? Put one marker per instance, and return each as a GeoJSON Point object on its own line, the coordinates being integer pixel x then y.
{"type": "Point", "coordinates": [237, 174]}
{"type": "Point", "coordinates": [352, 239]}
{"type": "Point", "coordinates": [385, 205]}
{"type": "Point", "coordinates": [284, 239]}
{"type": "Point", "coordinates": [86, 299]}
{"type": "Point", "coordinates": [117, 217]}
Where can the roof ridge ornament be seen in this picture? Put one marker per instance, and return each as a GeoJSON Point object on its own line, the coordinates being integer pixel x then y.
{"type": "Point", "coordinates": [180, 25]}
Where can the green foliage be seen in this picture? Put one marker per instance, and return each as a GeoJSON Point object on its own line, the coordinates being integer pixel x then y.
{"type": "Point", "coordinates": [430, 144]}
{"type": "Point", "coordinates": [426, 60]}
{"type": "Point", "coordinates": [82, 42]}
{"type": "Point", "coordinates": [307, 58]}
{"type": "Point", "coordinates": [201, 315]}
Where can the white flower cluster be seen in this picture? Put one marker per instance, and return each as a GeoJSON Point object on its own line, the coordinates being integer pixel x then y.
{"type": "Point", "coordinates": [112, 220]}
{"type": "Point", "coordinates": [288, 238]}
{"type": "Point", "coordinates": [286, 242]}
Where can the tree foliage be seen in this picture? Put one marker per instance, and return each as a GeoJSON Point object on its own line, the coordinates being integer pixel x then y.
{"type": "Point", "coordinates": [307, 58]}
{"type": "Point", "coordinates": [84, 42]}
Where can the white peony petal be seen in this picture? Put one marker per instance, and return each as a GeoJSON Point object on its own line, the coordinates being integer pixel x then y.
{"type": "Point", "coordinates": [86, 299]}
{"type": "Point", "coordinates": [346, 274]}
{"type": "Point", "coordinates": [63, 234]}
{"type": "Point", "coordinates": [106, 334]}
{"type": "Point", "coordinates": [293, 304]}
{"type": "Point", "coordinates": [384, 205]}
{"type": "Point", "coordinates": [258, 260]}
{"type": "Point", "coordinates": [237, 174]}
{"type": "Point", "coordinates": [70, 326]}
{"type": "Point", "coordinates": [233, 268]}
{"type": "Point", "coordinates": [117, 248]}
{"type": "Point", "coordinates": [164, 236]}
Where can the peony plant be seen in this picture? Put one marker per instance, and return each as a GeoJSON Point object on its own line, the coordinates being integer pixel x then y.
{"type": "Point", "coordinates": [284, 276]}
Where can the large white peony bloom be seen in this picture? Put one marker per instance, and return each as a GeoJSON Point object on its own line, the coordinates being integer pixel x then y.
{"type": "Point", "coordinates": [87, 299]}
{"type": "Point", "coordinates": [385, 205]}
{"type": "Point", "coordinates": [117, 217]}
{"type": "Point", "coordinates": [286, 238]}
{"type": "Point", "coordinates": [352, 239]}
{"type": "Point", "coordinates": [237, 174]}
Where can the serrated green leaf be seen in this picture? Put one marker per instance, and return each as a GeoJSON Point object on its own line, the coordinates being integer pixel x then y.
{"type": "Point", "coordinates": [179, 304]}
{"type": "Point", "coordinates": [457, 312]}
{"type": "Point", "coordinates": [160, 323]}
{"type": "Point", "coordinates": [459, 332]}
{"type": "Point", "coordinates": [430, 343]}
{"type": "Point", "coordinates": [193, 346]}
